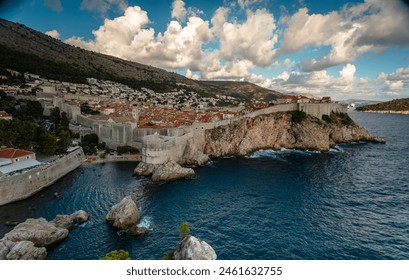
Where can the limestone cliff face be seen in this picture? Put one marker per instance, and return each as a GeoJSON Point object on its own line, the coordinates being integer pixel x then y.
{"type": "Point", "coordinates": [280, 130]}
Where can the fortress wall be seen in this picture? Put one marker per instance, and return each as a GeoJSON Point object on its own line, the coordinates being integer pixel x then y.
{"type": "Point", "coordinates": [20, 186]}
{"type": "Point", "coordinates": [115, 134]}
{"type": "Point", "coordinates": [320, 109]}
{"type": "Point", "coordinates": [140, 133]}
{"type": "Point", "coordinates": [85, 121]}
{"type": "Point", "coordinates": [159, 149]}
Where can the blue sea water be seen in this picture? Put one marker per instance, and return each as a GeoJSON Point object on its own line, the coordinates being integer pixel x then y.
{"type": "Point", "coordinates": [349, 203]}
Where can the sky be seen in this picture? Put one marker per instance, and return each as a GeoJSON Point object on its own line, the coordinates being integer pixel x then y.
{"type": "Point", "coordinates": [343, 49]}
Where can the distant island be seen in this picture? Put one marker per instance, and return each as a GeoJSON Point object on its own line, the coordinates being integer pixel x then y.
{"type": "Point", "coordinates": [396, 106]}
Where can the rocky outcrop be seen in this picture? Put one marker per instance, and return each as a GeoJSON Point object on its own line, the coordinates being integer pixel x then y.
{"type": "Point", "coordinates": [169, 170]}
{"type": "Point", "coordinates": [25, 250]}
{"type": "Point", "coordinates": [70, 221]}
{"type": "Point", "coordinates": [39, 231]}
{"type": "Point", "coordinates": [192, 248]}
{"type": "Point", "coordinates": [125, 216]}
{"type": "Point", "coordinates": [29, 239]}
{"type": "Point", "coordinates": [144, 169]}
{"type": "Point", "coordinates": [277, 130]}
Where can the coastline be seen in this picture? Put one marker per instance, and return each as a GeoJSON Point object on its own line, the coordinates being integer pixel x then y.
{"type": "Point", "coordinates": [123, 158]}
{"type": "Point", "coordinates": [386, 112]}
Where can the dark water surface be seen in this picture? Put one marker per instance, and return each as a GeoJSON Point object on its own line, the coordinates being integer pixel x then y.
{"type": "Point", "coordinates": [351, 203]}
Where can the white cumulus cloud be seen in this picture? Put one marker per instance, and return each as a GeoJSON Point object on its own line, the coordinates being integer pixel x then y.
{"type": "Point", "coordinates": [178, 10]}
{"type": "Point", "coordinates": [128, 37]}
{"type": "Point", "coordinates": [53, 33]}
{"type": "Point", "coordinates": [371, 26]}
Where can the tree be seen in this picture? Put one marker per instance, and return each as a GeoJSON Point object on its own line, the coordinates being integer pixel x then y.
{"type": "Point", "coordinates": [64, 141]}
{"type": "Point", "coordinates": [47, 142]}
{"type": "Point", "coordinates": [65, 123]}
{"type": "Point", "coordinates": [90, 140]}
{"type": "Point", "coordinates": [55, 116]}
{"type": "Point", "coordinates": [34, 108]}
{"type": "Point", "coordinates": [116, 255]}
{"type": "Point", "coordinates": [184, 230]}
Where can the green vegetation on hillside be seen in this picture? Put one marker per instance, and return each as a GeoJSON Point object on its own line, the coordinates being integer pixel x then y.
{"type": "Point", "coordinates": [394, 105]}
{"type": "Point", "coordinates": [27, 129]}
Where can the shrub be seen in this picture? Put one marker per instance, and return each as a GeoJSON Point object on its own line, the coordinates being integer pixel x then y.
{"type": "Point", "coordinates": [169, 255]}
{"type": "Point", "coordinates": [184, 230]}
{"type": "Point", "coordinates": [326, 118]}
{"type": "Point", "coordinates": [127, 150]}
{"type": "Point", "coordinates": [298, 116]}
{"type": "Point", "coordinates": [116, 255]}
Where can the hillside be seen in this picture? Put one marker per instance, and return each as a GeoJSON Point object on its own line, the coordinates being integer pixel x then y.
{"type": "Point", "coordinates": [396, 105]}
{"type": "Point", "coordinates": [26, 50]}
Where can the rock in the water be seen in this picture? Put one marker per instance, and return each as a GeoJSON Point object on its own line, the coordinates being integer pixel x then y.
{"type": "Point", "coordinates": [79, 217]}
{"type": "Point", "coordinates": [70, 221]}
{"type": "Point", "coordinates": [38, 231]}
{"type": "Point", "coordinates": [144, 169]}
{"type": "Point", "coordinates": [63, 221]}
{"type": "Point", "coordinates": [124, 214]}
{"type": "Point", "coordinates": [192, 248]}
{"type": "Point", "coordinates": [27, 240]}
{"type": "Point", "coordinates": [171, 171]}
{"type": "Point", "coordinates": [25, 250]}
{"type": "Point", "coordinates": [137, 231]}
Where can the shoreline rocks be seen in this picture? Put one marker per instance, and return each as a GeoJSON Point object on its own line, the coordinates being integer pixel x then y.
{"type": "Point", "coordinates": [167, 171]}
{"type": "Point", "coordinates": [192, 248]}
{"type": "Point", "coordinates": [28, 240]}
{"type": "Point", "coordinates": [277, 130]}
{"type": "Point", "coordinates": [125, 216]}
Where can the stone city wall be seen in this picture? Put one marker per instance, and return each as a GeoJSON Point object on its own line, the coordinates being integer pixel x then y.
{"type": "Point", "coordinates": [26, 183]}
{"type": "Point", "coordinates": [162, 145]}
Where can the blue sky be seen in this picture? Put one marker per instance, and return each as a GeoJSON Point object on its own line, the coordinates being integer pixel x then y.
{"type": "Point", "coordinates": [346, 49]}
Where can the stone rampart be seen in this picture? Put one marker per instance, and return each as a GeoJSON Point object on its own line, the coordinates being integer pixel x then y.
{"type": "Point", "coordinates": [161, 145]}
{"type": "Point", "coordinates": [27, 182]}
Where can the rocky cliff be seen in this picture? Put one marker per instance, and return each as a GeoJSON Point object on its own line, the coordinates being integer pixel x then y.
{"type": "Point", "coordinates": [292, 130]}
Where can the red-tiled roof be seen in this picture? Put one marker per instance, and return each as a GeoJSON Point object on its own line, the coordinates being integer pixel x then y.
{"type": "Point", "coordinates": [292, 97]}
{"type": "Point", "coordinates": [4, 115]}
{"type": "Point", "coordinates": [13, 153]}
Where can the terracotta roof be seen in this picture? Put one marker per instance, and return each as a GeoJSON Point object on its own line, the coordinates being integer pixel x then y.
{"type": "Point", "coordinates": [3, 114]}
{"type": "Point", "coordinates": [13, 153]}
{"type": "Point", "coordinates": [292, 97]}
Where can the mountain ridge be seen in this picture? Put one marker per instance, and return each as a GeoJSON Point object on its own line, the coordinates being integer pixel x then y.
{"type": "Point", "coordinates": [24, 49]}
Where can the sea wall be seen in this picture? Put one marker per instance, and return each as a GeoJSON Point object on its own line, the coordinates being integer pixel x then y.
{"type": "Point", "coordinates": [26, 183]}
{"type": "Point", "coordinates": [271, 127]}
{"type": "Point", "coordinates": [157, 149]}
{"type": "Point", "coordinates": [319, 109]}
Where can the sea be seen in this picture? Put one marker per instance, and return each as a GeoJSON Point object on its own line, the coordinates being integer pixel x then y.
{"type": "Point", "coordinates": [346, 204]}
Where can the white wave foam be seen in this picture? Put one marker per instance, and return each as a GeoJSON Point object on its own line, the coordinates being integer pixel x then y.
{"type": "Point", "coordinates": [146, 222]}
{"type": "Point", "coordinates": [336, 149]}
{"type": "Point", "coordinates": [263, 153]}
